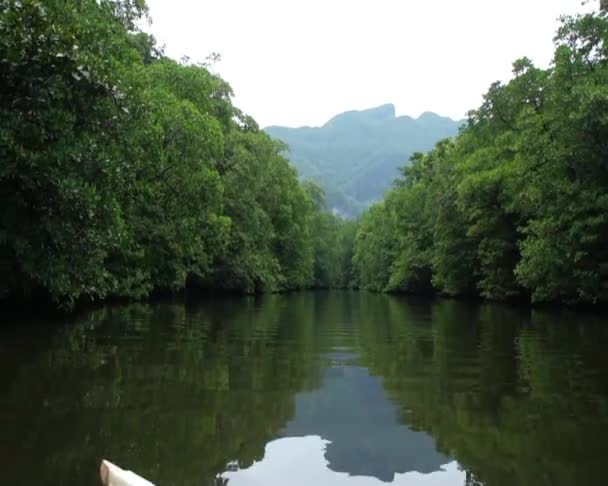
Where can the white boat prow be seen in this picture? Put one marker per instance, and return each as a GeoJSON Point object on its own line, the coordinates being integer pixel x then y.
{"type": "Point", "coordinates": [112, 475]}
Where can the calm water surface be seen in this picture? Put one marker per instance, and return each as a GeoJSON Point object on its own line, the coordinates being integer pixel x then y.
{"type": "Point", "coordinates": [318, 388]}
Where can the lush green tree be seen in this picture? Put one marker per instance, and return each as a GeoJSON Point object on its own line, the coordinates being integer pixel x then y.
{"type": "Point", "coordinates": [332, 239]}
{"type": "Point", "coordinates": [125, 172]}
{"type": "Point", "coordinates": [374, 248]}
{"type": "Point", "coordinates": [516, 205]}
{"type": "Point", "coordinates": [565, 249]}
{"type": "Point", "coordinates": [411, 270]}
{"type": "Point", "coordinates": [173, 209]}
{"type": "Point", "coordinates": [269, 245]}
{"type": "Point", "coordinates": [347, 230]}
{"type": "Point", "coordinates": [64, 108]}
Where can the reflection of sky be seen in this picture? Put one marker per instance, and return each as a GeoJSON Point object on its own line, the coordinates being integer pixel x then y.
{"type": "Point", "coordinates": [348, 431]}
{"type": "Point", "coordinates": [366, 436]}
{"type": "Point", "coordinates": [300, 461]}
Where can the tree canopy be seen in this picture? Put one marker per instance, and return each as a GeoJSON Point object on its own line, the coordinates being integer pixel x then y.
{"type": "Point", "coordinates": [123, 172]}
{"type": "Point", "coordinates": [515, 206]}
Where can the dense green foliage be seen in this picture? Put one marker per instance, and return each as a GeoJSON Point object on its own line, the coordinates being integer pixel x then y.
{"type": "Point", "coordinates": [356, 155]}
{"type": "Point", "coordinates": [122, 171]}
{"type": "Point", "coordinates": [517, 204]}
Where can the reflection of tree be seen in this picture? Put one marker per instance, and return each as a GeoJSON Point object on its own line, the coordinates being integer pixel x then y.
{"type": "Point", "coordinates": [516, 399]}
{"type": "Point", "coordinates": [172, 391]}
{"type": "Point", "coordinates": [177, 391]}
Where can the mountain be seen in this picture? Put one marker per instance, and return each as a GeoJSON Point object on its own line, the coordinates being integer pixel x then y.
{"type": "Point", "coordinates": [356, 155]}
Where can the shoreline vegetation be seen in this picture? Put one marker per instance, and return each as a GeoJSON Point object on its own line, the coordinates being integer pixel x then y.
{"type": "Point", "coordinates": [516, 206]}
{"type": "Point", "coordinates": [125, 173]}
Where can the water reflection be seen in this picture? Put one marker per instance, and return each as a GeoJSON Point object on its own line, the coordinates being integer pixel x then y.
{"type": "Point", "coordinates": [365, 437]}
{"type": "Point", "coordinates": [301, 461]}
{"type": "Point", "coordinates": [352, 387]}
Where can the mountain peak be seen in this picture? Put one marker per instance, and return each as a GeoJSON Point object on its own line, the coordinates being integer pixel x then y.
{"type": "Point", "coordinates": [429, 115]}
{"type": "Point", "coordinates": [356, 155]}
{"type": "Point", "coordinates": [384, 112]}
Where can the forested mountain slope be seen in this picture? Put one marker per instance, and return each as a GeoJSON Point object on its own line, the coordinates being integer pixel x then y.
{"type": "Point", "coordinates": [355, 156]}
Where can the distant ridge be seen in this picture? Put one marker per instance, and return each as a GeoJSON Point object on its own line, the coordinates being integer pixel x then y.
{"type": "Point", "coordinates": [355, 156]}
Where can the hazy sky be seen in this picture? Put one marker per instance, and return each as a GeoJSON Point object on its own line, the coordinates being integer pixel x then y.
{"type": "Point", "coordinates": [299, 62]}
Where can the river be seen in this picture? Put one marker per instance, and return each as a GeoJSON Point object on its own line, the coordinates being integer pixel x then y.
{"type": "Point", "coordinates": [312, 388]}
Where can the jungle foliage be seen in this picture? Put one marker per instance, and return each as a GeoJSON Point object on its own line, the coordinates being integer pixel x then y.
{"type": "Point", "coordinates": [123, 171]}
{"type": "Point", "coordinates": [515, 206]}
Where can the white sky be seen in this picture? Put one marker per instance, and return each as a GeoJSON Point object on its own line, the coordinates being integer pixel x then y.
{"type": "Point", "coordinates": [299, 62]}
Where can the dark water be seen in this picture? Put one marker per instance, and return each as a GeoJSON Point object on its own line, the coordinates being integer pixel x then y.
{"type": "Point", "coordinates": [324, 388]}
